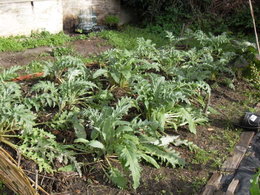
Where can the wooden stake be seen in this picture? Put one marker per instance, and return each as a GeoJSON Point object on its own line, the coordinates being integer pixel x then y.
{"type": "Point", "coordinates": [253, 18]}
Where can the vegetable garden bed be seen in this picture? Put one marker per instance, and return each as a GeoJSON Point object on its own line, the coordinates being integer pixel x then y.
{"type": "Point", "coordinates": [148, 121]}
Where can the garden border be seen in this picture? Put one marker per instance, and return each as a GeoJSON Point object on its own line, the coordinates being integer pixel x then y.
{"type": "Point", "coordinates": [229, 166]}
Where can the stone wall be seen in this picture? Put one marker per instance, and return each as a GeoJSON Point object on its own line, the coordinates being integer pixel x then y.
{"type": "Point", "coordinates": [21, 17]}
{"type": "Point", "coordinates": [101, 8]}
{"type": "Point", "coordinates": [106, 7]}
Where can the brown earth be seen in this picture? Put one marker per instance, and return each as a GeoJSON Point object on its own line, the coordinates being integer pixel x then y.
{"type": "Point", "coordinates": [22, 58]}
{"type": "Point", "coordinates": [85, 48]}
{"type": "Point", "coordinates": [216, 138]}
{"type": "Point", "coordinates": [92, 46]}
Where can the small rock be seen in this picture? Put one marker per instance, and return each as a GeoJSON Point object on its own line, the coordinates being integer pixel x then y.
{"type": "Point", "coordinates": [211, 129]}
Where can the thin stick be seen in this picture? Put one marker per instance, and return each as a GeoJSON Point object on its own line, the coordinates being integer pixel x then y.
{"type": "Point", "coordinates": [36, 179]}
{"type": "Point", "coordinates": [253, 18]}
{"type": "Point", "coordinates": [19, 158]}
{"type": "Point", "coordinates": [39, 187]}
{"type": "Point", "coordinates": [207, 105]}
{"type": "Point", "coordinates": [43, 177]}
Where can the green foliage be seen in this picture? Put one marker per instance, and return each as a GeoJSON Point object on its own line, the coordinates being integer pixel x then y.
{"type": "Point", "coordinates": [8, 74]}
{"type": "Point", "coordinates": [62, 51]}
{"type": "Point", "coordinates": [255, 189]}
{"type": "Point", "coordinates": [117, 178]}
{"type": "Point", "coordinates": [120, 70]}
{"type": "Point", "coordinates": [14, 115]}
{"type": "Point", "coordinates": [70, 86]}
{"type": "Point", "coordinates": [206, 15]}
{"type": "Point", "coordinates": [241, 19]}
{"type": "Point", "coordinates": [163, 88]}
{"type": "Point", "coordinates": [45, 39]}
{"type": "Point", "coordinates": [58, 70]}
{"type": "Point", "coordinates": [34, 67]}
{"type": "Point", "coordinates": [172, 19]}
{"type": "Point", "coordinates": [112, 135]}
{"type": "Point", "coordinates": [111, 20]}
{"type": "Point", "coordinates": [20, 43]}
{"type": "Point", "coordinates": [127, 38]}
{"type": "Point", "coordinates": [253, 75]}
{"type": "Point", "coordinates": [41, 147]}
{"type": "Point", "coordinates": [10, 44]}
{"type": "Point", "coordinates": [162, 98]}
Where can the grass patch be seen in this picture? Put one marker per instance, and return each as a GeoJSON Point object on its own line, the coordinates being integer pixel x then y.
{"type": "Point", "coordinates": [230, 137]}
{"type": "Point", "coordinates": [20, 43]}
{"type": "Point", "coordinates": [126, 38]}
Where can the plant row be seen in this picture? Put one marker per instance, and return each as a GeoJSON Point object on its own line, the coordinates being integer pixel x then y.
{"type": "Point", "coordinates": [120, 113]}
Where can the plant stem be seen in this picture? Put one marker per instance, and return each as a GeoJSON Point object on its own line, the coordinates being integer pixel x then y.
{"type": "Point", "coordinates": [9, 136]}
{"type": "Point", "coordinates": [253, 18]}
{"type": "Point", "coordinates": [8, 143]}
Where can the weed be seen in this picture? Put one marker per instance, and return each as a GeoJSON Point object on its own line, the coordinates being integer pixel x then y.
{"type": "Point", "coordinates": [198, 183]}
{"type": "Point", "coordinates": [159, 177]}
{"type": "Point", "coordinates": [62, 51]}
{"type": "Point", "coordinates": [20, 43]}
{"type": "Point", "coordinates": [201, 157]}
{"type": "Point", "coordinates": [34, 67]}
{"type": "Point", "coordinates": [127, 38]}
{"type": "Point", "coordinates": [111, 21]}
{"type": "Point", "coordinates": [231, 137]}
{"type": "Point", "coordinates": [254, 188]}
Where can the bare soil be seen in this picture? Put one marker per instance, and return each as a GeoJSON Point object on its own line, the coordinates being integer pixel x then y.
{"type": "Point", "coordinates": [216, 138]}
{"type": "Point", "coordinates": [91, 46]}
{"type": "Point", "coordinates": [85, 48]}
{"type": "Point", "coordinates": [8, 59]}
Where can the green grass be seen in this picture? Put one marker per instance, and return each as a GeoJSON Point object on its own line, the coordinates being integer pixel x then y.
{"type": "Point", "coordinates": [20, 43]}
{"type": "Point", "coordinates": [126, 38]}
{"type": "Point", "coordinates": [230, 137]}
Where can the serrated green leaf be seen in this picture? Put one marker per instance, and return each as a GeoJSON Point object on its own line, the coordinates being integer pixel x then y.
{"type": "Point", "coordinates": [118, 178]}
{"type": "Point", "coordinates": [79, 128]}
{"type": "Point", "coordinates": [188, 117]}
{"type": "Point", "coordinates": [100, 72]}
{"type": "Point", "coordinates": [149, 159]}
{"type": "Point", "coordinates": [130, 159]}
{"type": "Point", "coordinates": [67, 168]}
{"type": "Point", "coordinates": [122, 129]}
{"type": "Point", "coordinates": [166, 156]}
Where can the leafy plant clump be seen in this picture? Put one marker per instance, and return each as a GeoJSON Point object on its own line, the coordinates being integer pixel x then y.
{"type": "Point", "coordinates": [255, 189]}
{"type": "Point", "coordinates": [112, 21]}
{"type": "Point", "coordinates": [209, 15]}
{"type": "Point", "coordinates": [44, 38]}
{"type": "Point", "coordinates": [119, 115]}
{"type": "Point", "coordinates": [127, 37]}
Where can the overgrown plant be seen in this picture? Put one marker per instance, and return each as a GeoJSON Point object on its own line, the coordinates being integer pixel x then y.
{"type": "Point", "coordinates": [111, 135]}
{"type": "Point", "coordinates": [163, 88]}
{"type": "Point", "coordinates": [41, 147]}
{"type": "Point", "coordinates": [168, 102]}
{"type": "Point", "coordinates": [14, 117]}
